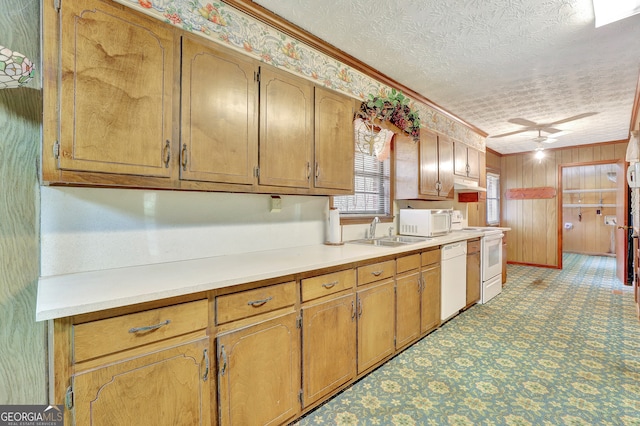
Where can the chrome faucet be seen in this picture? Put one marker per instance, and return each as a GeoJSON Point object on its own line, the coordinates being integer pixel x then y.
{"type": "Point", "coordinates": [372, 227]}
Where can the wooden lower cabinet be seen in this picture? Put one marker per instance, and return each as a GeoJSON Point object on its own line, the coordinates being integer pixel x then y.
{"type": "Point", "coordinates": [408, 289]}
{"type": "Point", "coordinates": [329, 346]}
{"type": "Point", "coordinates": [259, 372]}
{"type": "Point", "coordinates": [473, 272]}
{"type": "Point", "coordinates": [168, 387]}
{"type": "Point", "coordinates": [376, 330]}
{"type": "Point", "coordinates": [430, 298]}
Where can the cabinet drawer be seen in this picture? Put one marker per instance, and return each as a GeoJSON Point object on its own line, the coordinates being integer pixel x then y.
{"type": "Point", "coordinates": [102, 337]}
{"type": "Point", "coordinates": [431, 256]}
{"type": "Point", "coordinates": [322, 285]}
{"type": "Point", "coordinates": [407, 263]}
{"type": "Point", "coordinates": [473, 246]}
{"type": "Point", "coordinates": [377, 271]}
{"type": "Point", "coordinates": [253, 302]}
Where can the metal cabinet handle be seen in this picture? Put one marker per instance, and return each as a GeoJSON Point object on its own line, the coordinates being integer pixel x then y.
{"type": "Point", "coordinates": [377, 273]}
{"type": "Point", "coordinates": [223, 356]}
{"type": "Point", "coordinates": [359, 308]}
{"type": "Point", "coordinates": [149, 327]}
{"type": "Point", "coordinates": [167, 153]}
{"type": "Point", "coordinates": [317, 170]}
{"type": "Point", "coordinates": [258, 303]}
{"type": "Point", "coordinates": [308, 170]}
{"type": "Point", "coordinates": [205, 353]}
{"type": "Point", "coordinates": [330, 285]}
{"type": "Point", "coordinates": [353, 311]}
{"type": "Point", "coordinates": [183, 157]}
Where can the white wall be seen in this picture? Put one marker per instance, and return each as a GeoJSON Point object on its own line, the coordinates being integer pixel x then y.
{"type": "Point", "coordinates": [84, 229]}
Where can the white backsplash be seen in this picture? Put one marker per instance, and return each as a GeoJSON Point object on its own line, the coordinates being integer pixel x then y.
{"type": "Point", "coordinates": [84, 229]}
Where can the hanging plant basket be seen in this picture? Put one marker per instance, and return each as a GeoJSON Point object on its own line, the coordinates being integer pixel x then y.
{"type": "Point", "coordinates": [396, 109]}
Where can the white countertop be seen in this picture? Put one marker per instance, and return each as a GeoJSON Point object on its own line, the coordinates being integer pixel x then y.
{"type": "Point", "coordinates": [65, 295]}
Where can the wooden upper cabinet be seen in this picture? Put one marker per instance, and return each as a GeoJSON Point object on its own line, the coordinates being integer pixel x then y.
{"type": "Point", "coordinates": [116, 91]}
{"type": "Point", "coordinates": [466, 161]}
{"type": "Point", "coordinates": [436, 164]}
{"type": "Point", "coordinates": [429, 183]}
{"type": "Point", "coordinates": [286, 129]}
{"type": "Point", "coordinates": [445, 166]}
{"type": "Point", "coordinates": [473, 160]}
{"type": "Point", "coordinates": [219, 119]}
{"type": "Point", "coordinates": [334, 149]}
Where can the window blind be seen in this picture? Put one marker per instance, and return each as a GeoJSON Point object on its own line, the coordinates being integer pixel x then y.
{"type": "Point", "coordinates": [372, 182]}
{"type": "Point", "coordinates": [493, 199]}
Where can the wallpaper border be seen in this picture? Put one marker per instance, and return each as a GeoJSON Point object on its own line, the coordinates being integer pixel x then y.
{"type": "Point", "coordinates": [228, 26]}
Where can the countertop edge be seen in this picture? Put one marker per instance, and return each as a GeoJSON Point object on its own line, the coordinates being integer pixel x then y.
{"type": "Point", "coordinates": [83, 292]}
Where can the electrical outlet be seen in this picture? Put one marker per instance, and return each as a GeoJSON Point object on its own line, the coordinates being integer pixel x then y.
{"type": "Point", "coordinates": [276, 203]}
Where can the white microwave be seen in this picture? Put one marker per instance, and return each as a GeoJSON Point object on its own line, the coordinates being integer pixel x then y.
{"type": "Point", "coordinates": [425, 222]}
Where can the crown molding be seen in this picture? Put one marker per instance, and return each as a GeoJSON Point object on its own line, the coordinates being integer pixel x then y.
{"type": "Point", "coordinates": [266, 16]}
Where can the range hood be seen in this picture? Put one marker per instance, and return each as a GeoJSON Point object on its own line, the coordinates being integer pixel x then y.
{"type": "Point", "coordinates": [466, 185]}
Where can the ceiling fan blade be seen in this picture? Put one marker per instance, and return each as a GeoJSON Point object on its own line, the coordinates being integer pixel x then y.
{"type": "Point", "coordinates": [550, 140]}
{"type": "Point", "coordinates": [550, 130]}
{"type": "Point", "coordinates": [523, 122]}
{"type": "Point", "coordinates": [510, 133]}
{"type": "Point", "coordinates": [575, 117]}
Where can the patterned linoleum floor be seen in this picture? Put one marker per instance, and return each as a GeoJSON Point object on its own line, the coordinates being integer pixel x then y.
{"type": "Point", "coordinates": [557, 347]}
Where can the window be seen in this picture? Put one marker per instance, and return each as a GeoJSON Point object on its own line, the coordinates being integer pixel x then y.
{"type": "Point", "coordinates": [493, 199]}
{"type": "Point", "coordinates": [372, 182]}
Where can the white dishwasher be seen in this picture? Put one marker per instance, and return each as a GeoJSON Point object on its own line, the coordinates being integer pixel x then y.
{"type": "Point", "coordinates": [453, 281]}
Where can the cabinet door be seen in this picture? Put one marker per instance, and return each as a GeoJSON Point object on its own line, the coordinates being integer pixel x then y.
{"type": "Point", "coordinates": [329, 346]}
{"type": "Point", "coordinates": [169, 387]}
{"type": "Point", "coordinates": [473, 161]}
{"type": "Point", "coordinates": [429, 182]}
{"type": "Point", "coordinates": [445, 166]}
{"type": "Point", "coordinates": [473, 278]}
{"type": "Point", "coordinates": [116, 91]}
{"type": "Point", "coordinates": [460, 159]}
{"type": "Point", "coordinates": [407, 309]}
{"type": "Point", "coordinates": [376, 327]}
{"type": "Point", "coordinates": [219, 113]}
{"type": "Point", "coordinates": [430, 298]}
{"type": "Point", "coordinates": [286, 129]}
{"type": "Point", "coordinates": [334, 146]}
{"type": "Point", "coordinates": [259, 373]}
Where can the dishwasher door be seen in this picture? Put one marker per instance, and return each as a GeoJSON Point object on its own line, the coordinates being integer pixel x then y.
{"type": "Point", "coordinates": [453, 282]}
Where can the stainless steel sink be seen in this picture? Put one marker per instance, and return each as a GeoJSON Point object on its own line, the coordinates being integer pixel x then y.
{"type": "Point", "coordinates": [405, 239]}
{"type": "Point", "coordinates": [377, 242]}
{"type": "Point", "coordinates": [391, 241]}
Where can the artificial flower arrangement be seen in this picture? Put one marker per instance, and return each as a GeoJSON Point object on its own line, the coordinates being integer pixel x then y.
{"type": "Point", "coordinates": [395, 108]}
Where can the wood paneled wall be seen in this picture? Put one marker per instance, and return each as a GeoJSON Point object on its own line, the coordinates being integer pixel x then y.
{"type": "Point", "coordinates": [22, 341]}
{"type": "Point", "coordinates": [534, 223]}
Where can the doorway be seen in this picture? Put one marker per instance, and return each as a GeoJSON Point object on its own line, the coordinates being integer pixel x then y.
{"type": "Point", "coordinates": [593, 210]}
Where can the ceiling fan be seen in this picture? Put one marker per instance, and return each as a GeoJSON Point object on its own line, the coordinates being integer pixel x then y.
{"type": "Point", "coordinates": [529, 125]}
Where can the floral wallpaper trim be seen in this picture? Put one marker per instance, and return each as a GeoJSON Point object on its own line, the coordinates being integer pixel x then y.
{"type": "Point", "coordinates": [228, 26]}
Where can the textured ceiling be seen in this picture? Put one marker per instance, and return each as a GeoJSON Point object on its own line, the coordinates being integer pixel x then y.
{"type": "Point", "coordinates": [490, 61]}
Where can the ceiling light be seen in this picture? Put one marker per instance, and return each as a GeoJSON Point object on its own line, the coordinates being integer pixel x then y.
{"type": "Point", "coordinates": [607, 11]}
{"type": "Point", "coordinates": [539, 155]}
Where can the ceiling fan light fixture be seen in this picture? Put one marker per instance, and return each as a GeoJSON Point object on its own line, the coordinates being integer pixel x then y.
{"type": "Point", "coordinates": [539, 155]}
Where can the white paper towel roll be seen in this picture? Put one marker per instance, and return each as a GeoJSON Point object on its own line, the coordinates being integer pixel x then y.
{"type": "Point", "coordinates": [334, 232]}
